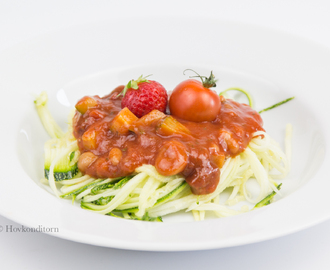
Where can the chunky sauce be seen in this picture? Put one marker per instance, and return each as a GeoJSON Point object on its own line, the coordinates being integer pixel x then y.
{"type": "Point", "coordinates": [197, 154]}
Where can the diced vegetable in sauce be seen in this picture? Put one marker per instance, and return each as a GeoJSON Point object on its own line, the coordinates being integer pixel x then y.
{"type": "Point", "coordinates": [114, 142]}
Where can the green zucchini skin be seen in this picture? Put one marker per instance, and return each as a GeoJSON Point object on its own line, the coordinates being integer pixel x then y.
{"type": "Point", "coordinates": [103, 200]}
{"type": "Point", "coordinates": [81, 189]}
{"type": "Point", "coordinates": [128, 210]}
{"type": "Point", "coordinates": [134, 217]}
{"type": "Point", "coordinates": [171, 194]}
{"type": "Point", "coordinates": [100, 188]}
{"type": "Point", "coordinates": [59, 176]}
{"type": "Point", "coordinates": [147, 218]}
{"type": "Point", "coordinates": [64, 169]}
{"type": "Point", "coordinates": [267, 200]}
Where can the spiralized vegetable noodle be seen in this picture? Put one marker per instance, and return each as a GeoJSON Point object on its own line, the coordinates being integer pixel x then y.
{"type": "Point", "coordinates": [148, 195]}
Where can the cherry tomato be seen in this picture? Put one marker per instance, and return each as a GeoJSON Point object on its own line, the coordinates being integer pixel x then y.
{"type": "Point", "coordinates": [191, 101]}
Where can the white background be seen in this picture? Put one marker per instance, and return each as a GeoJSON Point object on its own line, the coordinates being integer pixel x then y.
{"type": "Point", "coordinates": [22, 20]}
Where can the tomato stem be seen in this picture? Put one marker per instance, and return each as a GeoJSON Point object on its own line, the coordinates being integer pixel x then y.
{"type": "Point", "coordinates": [208, 82]}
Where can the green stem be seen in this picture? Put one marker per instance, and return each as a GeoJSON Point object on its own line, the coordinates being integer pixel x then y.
{"type": "Point", "coordinates": [207, 82]}
{"type": "Point", "coordinates": [276, 105]}
{"type": "Point", "coordinates": [133, 84]}
{"type": "Point", "coordinates": [242, 91]}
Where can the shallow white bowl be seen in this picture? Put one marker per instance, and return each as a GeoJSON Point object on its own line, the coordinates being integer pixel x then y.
{"type": "Point", "coordinates": [93, 59]}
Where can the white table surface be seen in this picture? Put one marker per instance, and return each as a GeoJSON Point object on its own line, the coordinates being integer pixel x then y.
{"type": "Point", "coordinates": [21, 20]}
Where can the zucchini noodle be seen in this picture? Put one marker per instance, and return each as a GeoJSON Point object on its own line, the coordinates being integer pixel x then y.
{"type": "Point", "coordinates": [147, 195]}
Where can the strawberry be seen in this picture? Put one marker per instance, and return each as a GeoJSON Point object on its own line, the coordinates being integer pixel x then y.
{"type": "Point", "coordinates": [141, 96]}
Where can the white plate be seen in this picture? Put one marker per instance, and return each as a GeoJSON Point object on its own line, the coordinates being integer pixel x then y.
{"type": "Point", "coordinates": [271, 65]}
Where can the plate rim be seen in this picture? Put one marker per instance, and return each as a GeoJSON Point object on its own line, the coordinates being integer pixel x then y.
{"type": "Point", "coordinates": [18, 220]}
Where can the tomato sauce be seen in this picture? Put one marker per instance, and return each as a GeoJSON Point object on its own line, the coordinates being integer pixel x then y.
{"type": "Point", "coordinates": [198, 153]}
